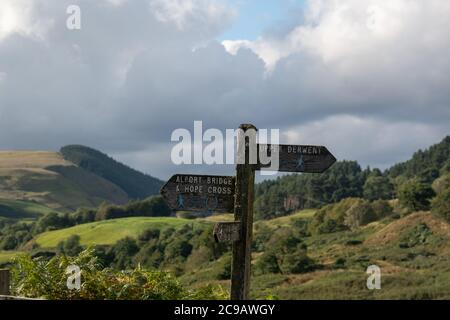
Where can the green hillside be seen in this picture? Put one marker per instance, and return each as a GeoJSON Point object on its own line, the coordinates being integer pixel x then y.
{"type": "Point", "coordinates": [7, 256]}
{"type": "Point", "coordinates": [47, 179]}
{"type": "Point", "coordinates": [136, 184]}
{"type": "Point", "coordinates": [109, 231]}
{"type": "Point", "coordinates": [413, 253]}
{"type": "Point", "coordinates": [22, 209]}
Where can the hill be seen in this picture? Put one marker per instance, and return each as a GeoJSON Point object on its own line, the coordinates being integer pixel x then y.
{"type": "Point", "coordinates": [22, 209]}
{"type": "Point", "coordinates": [413, 253]}
{"type": "Point", "coordinates": [427, 164]}
{"type": "Point", "coordinates": [109, 231]}
{"type": "Point", "coordinates": [136, 184]}
{"type": "Point", "coordinates": [347, 179]}
{"type": "Point", "coordinates": [46, 178]}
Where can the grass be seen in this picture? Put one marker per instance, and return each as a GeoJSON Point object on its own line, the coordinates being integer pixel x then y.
{"type": "Point", "coordinates": [109, 231]}
{"type": "Point", "coordinates": [7, 256]}
{"type": "Point", "coordinates": [22, 209]}
{"type": "Point", "coordinates": [286, 221]}
{"type": "Point", "coordinates": [220, 218]}
{"type": "Point", "coordinates": [419, 271]}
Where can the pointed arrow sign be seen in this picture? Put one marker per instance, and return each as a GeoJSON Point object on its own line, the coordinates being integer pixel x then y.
{"type": "Point", "coordinates": [297, 158]}
{"type": "Point", "coordinates": [187, 192]}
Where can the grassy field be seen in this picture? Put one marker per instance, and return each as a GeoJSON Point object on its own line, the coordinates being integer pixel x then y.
{"type": "Point", "coordinates": [22, 209]}
{"type": "Point", "coordinates": [7, 256]}
{"type": "Point", "coordinates": [287, 221]}
{"type": "Point", "coordinates": [108, 231]}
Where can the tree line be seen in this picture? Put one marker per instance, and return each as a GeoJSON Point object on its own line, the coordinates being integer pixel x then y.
{"type": "Point", "coordinates": [412, 179]}
{"type": "Point", "coordinates": [15, 235]}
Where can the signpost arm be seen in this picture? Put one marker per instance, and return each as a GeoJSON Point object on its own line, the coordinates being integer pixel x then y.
{"type": "Point", "coordinates": [243, 213]}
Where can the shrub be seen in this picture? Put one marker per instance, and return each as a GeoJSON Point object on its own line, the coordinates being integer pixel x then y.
{"type": "Point", "coordinates": [38, 278]}
{"type": "Point", "coordinates": [187, 215]}
{"type": "Point", "coordinates": [441, 205]}
{"type": "Point", "coordinates": [123, 252]}
{"type": "Point", "coordinates": [441, 184]}
{"type": "Point", "coordinates": [416, 236]}
{"type": "Point", "coordinates": [378, 187]}
{"type": "Point", "coordinates": [331, 218]}
{"type": "Point", "coordinates": [267, 263]}
{"type": "Point", "coordinates": [286, 254]}
{"type": "Point", "coordinates": [359, 214]}
{"type": "Point", "coordinates": [224, 268]}
{"type": "Point", "coordinates": [415, 195]}
{"type": "Point", "coordinates": [296, 262]}
{"type": "Point", "coordinates": [8, 243]}
{"type": "Point", "coordinates": [148, 235]}
{"type": "Point", "coordinates": [71, 246]}
{"type": "Point", "coordinates": [150, 207]}
{"type": "Point", "coordinates": [382, 209]}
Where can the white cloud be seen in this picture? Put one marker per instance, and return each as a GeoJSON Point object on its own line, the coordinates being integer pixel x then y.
{"type": "Point", "coordinates": [375, 73]}
{"type": "Point", "coordinates": [185, 12]}
{"type": "Point", "coordinates": [356, 31]}
{"type": "Point", "coordinates": [370, 140]}
{"type": "Point", "coordinates": [17, 16]}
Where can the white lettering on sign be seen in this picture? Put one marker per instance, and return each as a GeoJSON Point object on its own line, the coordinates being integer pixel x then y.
{"type": "Point", "coordinates": [304, 150]}
{"type": "Point", "coordinates": [204, 184]}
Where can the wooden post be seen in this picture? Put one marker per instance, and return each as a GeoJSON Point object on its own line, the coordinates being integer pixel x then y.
{"type": "Point", "coordinates": [243, 213]}
{"type": "Point", "coordinates": [4, 282]}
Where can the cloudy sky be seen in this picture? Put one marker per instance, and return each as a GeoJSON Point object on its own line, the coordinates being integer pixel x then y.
{"type": "Point", "coordinates": [370, 79]}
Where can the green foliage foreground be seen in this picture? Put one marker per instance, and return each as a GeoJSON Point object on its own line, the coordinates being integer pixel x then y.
{"type": "Point", "coordinates": [41, 278]}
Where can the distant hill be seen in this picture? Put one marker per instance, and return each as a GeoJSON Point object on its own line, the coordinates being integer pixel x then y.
{"type": "Point", "coordinates": [427, 164]}
{"type": "Point", "coordinates": [22, 209]}
{"type": "Point", "coordinates": [135, 184]}
{"type": "Point", "coordinates": [47, 179]}
{"type": "Point", "coordinates": [346, 179]}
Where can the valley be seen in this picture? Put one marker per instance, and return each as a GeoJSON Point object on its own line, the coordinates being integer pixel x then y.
{"type": "Point", "coordinates": [314, 236]}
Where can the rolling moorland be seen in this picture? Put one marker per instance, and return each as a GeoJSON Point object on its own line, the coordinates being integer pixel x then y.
{"type": "Point", "coordinates": [314, 235]}
{"type": "Point", "coordinates": [64, 181]}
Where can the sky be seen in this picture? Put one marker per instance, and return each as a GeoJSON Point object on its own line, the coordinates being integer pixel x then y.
{"type": "Point", "coordinates": [255, 17]}
{"type": "Point", "coordinates": [368, 79]}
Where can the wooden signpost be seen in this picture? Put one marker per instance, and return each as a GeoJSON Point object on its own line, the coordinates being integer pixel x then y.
{"type": "Point", "coordinates": [227, 231]}
{"type": "Point", "coordinates": [296, 158]}
{"type": "Point", "coordinates": [187, 192]}
{"type": "Point", "coordinates": [4, 282]}
{"type": "Point", "coordinates": [236, 194]}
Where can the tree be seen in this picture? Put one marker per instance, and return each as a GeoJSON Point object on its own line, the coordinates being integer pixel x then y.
{"type": "Point", "coordinates": [441, 205]}
{"type": "Point", "coordinates": [381, 209]}
{"type": "Point", "coordinates": [360, 214]}
{"type": "Point", "coordinates": [297, 262]}
{"type": "Point", "coordinates": [53, 221]}
{"type": "Point", "coordinates": [267, 263]}
{"type": "Point", "coordinates": [71, 246]}
{"type": "Point", "coordinates": [415, 195]}
{"type": "Point", "coordinates": [8, 243]}
{"type": "Point", "coordinates": [123, 251]}
{"type": "Point", "coordinates": [378, 187]}
{"type": "Point", "coordinates": [441, 184]}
